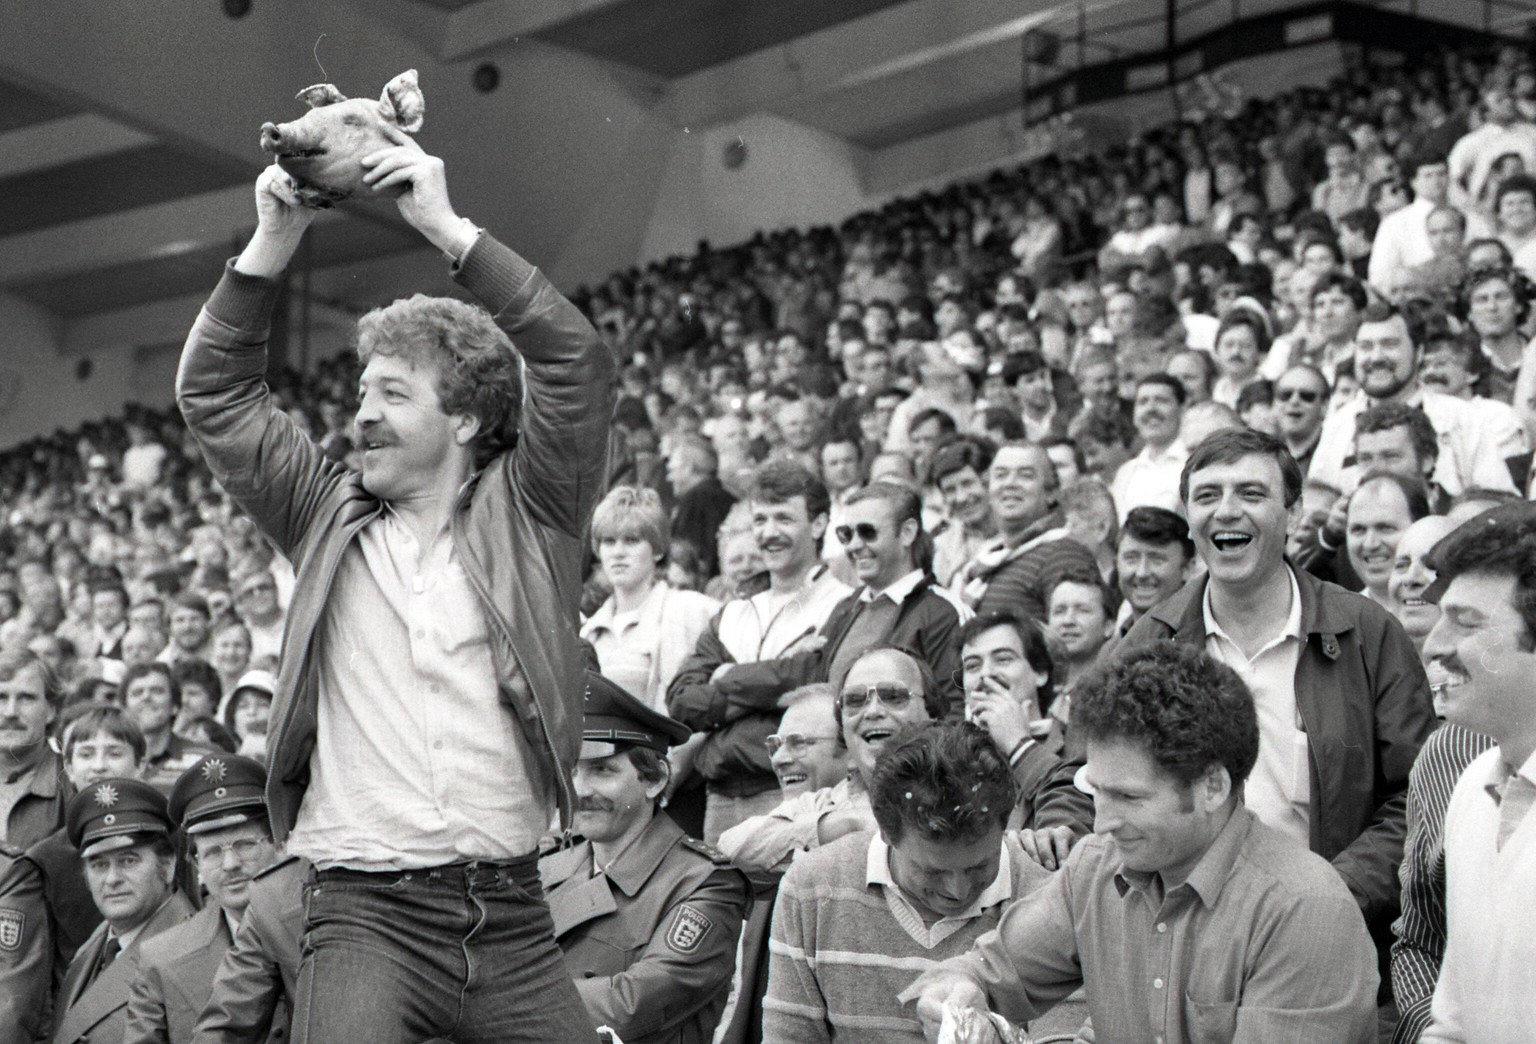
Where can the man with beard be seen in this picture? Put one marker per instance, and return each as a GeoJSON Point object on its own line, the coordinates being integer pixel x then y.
{"type": "Point", "coordinates": [647, 918]}
{"type": "Point", "coordinates": [789, 508]}
{"type": "Point", "coordinates": [1387, 357]}
{"type": "Point", "coordinates": [1033, 547]}
{"type": "Point", "coordinates": [219, 806]}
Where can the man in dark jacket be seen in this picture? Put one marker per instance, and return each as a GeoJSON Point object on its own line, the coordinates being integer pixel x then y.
{"type": "Point", "coordinates": [427, 714]}
{"type": "Point", "coordinates": [897, 604]}
{"type": "Point", "coordinates": [1343, 702]}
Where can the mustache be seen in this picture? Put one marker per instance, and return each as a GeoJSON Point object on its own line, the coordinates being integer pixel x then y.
{"type": "Point", "coordinates": [594, 805]}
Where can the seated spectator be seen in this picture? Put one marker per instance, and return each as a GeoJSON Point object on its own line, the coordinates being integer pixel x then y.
{"type": "Point", "coordinates": [122, 829]}
{"type": "Point", "coordinates": [645, 630]}
{"type": "Point", "coordinates": [1151, 478]}
{"type": "Point", "coordinates": [1088, 509]}
{"type": "Point", "coordinates": [1256, 407]}
{"type": "Point", "coordinates": [1154, 558]}
{"type": "Point", "coordinates": [248, 711]}
{"type": "Point", "coordinates": [1301, 403]}
{"type": "Point", "coordinates": [1066, 458]}
{"type": "Point", "coordinates": [191, 630]}
{"type": "Point", "coordinates": [257, 603]}
{"type": "Point", "coordinates": [789, 516]}
{"type": "Point", "coordinates": [959, 472]}
{"type": "Point", "coordinates": [1408, 585]}
{"type": "Point", "coordinates": [1080, 612]}
{"type": "Point", "coordinates": [1195, 370]}
{"type": "Point", "coordinates": [702, 502]}
{"type": "Point", "coordinates": [201, 692]}
{"type": "Point", "coordinates": [1242, 343]}
{"type": "Point", "coordinates": [231, 653]}
{"type": "Point", "coordinates": [1268, 943]}
{"type": "Point", "coordinates": [33, 790]}
{"type": "Point", "coordinates": [1441, 275]}
{"type": "Point", "coordinates": [151, 698]}
{"type": "Point", "coordinates": [1104, 435]}
{"type": "Point", "coordinates": [926, 886]}
{"type": "Point", "coordinates": [1033, 546]}
{"type": "Point", "coordinates": [1380, 512]}
{"type": "Point", "coordinates": [1010, 690]}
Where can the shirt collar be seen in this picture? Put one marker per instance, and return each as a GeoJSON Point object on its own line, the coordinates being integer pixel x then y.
{"type": "Point", "coordinates": [877, 871]}
{"type": "Point", "coordinates": [1214, 868]}
{"type": "Point", "coordinates": [1174, 451]}
{"type": "Point", "coordinates": [898, 591]}
{"type": "Point", "coordinates": [1501, 772]}
{"type": "Point", "coordinates": [1292, 620]}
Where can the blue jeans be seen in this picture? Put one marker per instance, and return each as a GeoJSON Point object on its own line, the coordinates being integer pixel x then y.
{"type": "Point", "coordinates": [464, 953]}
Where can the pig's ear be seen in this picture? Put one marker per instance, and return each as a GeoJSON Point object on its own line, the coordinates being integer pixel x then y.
{"type": "Point", "coordinates": [402, 102]}
{"type": "Point", "coordinates": [321, 94]}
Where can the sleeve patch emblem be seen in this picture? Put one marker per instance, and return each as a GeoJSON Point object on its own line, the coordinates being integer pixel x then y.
{"type": "Point", "coordinates": [13, 927]}
{"type": "Point", "coordinates": [689, 927]}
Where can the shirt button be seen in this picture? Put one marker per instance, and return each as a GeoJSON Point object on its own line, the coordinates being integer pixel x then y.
{"type": "Point", "coordinates": [1161, 928]}
{"type": "Point", "coordinates": [420, 633]}
{"type": "Point", "coordinates": [439, 746]}
{"type": "Point", "coordinates": [438, 688]}
{"type": "Point", "coordinates": [1157, 984]}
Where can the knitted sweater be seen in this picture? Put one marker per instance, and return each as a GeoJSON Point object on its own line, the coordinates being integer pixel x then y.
{"type": "Point", "coordinates": [843, 947]}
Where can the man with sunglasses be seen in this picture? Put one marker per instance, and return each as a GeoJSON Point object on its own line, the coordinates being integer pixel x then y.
{"type": "Point", "coordinates": [898, 604]}
{"type": "Point", "coordinates": [1301, 403]}
{"type": "Point", "coordinates": [219, 807]}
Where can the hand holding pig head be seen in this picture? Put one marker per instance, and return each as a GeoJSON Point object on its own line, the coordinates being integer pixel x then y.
{"type": "Point", "coordinates": [322, 151]}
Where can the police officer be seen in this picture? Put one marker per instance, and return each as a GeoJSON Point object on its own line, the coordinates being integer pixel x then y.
{"type": "Point", "coordinates": [25, 964]}
{"type": "Point", "coordinates": [647, 918]}
{"type": "Point", "coordinates": [218, 804]}
{"type": "Point", "coordinates": [122, 829]}
{"type": "Point", "coordinates": [253, 990]}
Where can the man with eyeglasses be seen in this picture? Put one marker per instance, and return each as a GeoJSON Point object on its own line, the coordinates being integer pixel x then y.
{"type": "Point", "coordinates": [647, 918]}
{"type": "Point", "coordinates": [218, 806]}
{"type": "Point", "coordinates": [811, 760]}
{"type": "Point", "coordinates": [1301, 403]}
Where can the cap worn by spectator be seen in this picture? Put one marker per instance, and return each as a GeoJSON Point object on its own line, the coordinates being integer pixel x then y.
{"type": "Point", "coordinates": [615, 720]}
{"type": "Point", "coordinates": [221, 790]}
{"type": "Point", "coordinates": [113, 814]}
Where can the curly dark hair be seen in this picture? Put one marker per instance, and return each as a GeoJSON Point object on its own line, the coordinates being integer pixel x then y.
{"type": "Point", "coordinates": [947, 781]}
{"type": "Point", "coordinates": [1384, 416]}
{"type": "Point", "coordinates": [1188, 710]}
{"type": "Point", "coordinates": [1499, 542]}
{"type": "Point", "coordinates": [479, 372]}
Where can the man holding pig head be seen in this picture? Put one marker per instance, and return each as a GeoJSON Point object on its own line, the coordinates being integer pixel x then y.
{"type": "Point", "coordinates": [428, 707]}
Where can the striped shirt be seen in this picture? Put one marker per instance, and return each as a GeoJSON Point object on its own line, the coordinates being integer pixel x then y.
{"type": "Point", "coordinates": [1420, 931]}
{"type": "Point", "coordinates": [846, 941]}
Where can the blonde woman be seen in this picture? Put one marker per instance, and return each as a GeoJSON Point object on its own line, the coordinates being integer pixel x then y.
{"type": "Point", "coordinates": [646, 628]}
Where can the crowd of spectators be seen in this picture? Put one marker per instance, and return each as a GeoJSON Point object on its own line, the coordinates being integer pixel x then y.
{"type": "Point", "coordinates": [945, 450]}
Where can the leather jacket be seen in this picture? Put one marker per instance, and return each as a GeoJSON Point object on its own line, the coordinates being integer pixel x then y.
{"type": "Point", "coordinates": [519, 528]}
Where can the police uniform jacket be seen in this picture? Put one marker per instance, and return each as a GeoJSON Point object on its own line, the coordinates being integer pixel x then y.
{"type": "Point", "coordinates": [97, 1012]}
{"type": "Point", "coordinates": [25, 953]}
{"type": "Point", "coordinates": [651, 940]}
{"type": "Point", "coordinates": [46, 914]}
{"type": "Point", "coordinates": [253, 986]}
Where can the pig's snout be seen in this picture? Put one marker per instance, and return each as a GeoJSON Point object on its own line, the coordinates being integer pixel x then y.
{"type": "Point", "coordinates": [271, 138]}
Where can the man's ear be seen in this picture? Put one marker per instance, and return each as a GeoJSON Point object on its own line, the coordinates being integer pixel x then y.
{"type": "Point", "coordinates": [654, 790]}
{"type": "Point", "coordinates": [465, 427]}
{"type": "Point", "coordinates": [909, 530]}
{"type": "Point", "coordinates": [1213, 788]}
{"type": "Point", "coordinates": [819, 525]}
